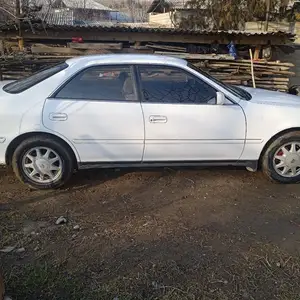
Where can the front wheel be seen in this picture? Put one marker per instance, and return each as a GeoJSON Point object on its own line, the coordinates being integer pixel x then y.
{"type": "Point", "coordinates": [42, 163]}
{"type": "Point", "coordinates": [281, 161]}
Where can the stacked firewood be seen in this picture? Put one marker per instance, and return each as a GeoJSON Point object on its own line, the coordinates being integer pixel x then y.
{"type": "Point", "coordinates": [273, 75]}
{"type": "Point", "coordinates": [17, 67]}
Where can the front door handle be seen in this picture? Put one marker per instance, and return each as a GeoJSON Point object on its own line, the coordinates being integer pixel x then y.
{"type": "Point", "coordinates": [58, 117]}
{"type": "Point", "coordinates": [158, 119]}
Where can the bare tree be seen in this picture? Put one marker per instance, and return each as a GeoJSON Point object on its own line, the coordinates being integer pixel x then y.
{"type": "Point", "coordinates": [19, 10]}
{"type": "Point", "coordinates": [7, 10]}
{"type": "Point", "coordinates": [135, 9]}
{"type": "Point", "coordinates": [232, 14]}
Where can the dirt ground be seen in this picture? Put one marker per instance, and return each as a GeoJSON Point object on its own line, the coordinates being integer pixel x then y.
{"type": "Point", "coordinates": [161, 234]}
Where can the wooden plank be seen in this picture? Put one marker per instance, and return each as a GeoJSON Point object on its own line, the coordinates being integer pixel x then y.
{"type": "Point", "coordinates": [36, 58]}
{"type": "Point", "coordinates": [96, 46]}
{"type": "Point", "coordinates": [282, 79]}
{"type": "Point", "coordinates": [257, 53]}
{"type": "Point", "coordinates": [40, 48]}
{"type": "Point", "coordinates": [233, 81]}
{"type": "Point", "coordinates": [282, 87]}
{"type": "Point", "coordinates": [167, 47]}
{"type": "Point", "coordinates": [276, 73]}
{"type": "Point", "coordinates": [260, 63]}
{"type": "Point", "coordinates": [269, 63]}
{"type": "Point", "coordinates": [244, 65]}
{"type": "Point", "coordinates": [196, 56]}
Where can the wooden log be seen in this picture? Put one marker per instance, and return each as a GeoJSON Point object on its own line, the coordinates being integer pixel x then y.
{"type": "Point", "coordinates": [96, 46]}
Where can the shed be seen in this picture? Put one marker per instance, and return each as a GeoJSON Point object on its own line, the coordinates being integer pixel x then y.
{"type": "Point", "coordinates": [132, 34]}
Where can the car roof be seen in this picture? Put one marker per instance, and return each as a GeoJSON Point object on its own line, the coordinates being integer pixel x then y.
{"type": "Point", "coordinates": [126, 59]}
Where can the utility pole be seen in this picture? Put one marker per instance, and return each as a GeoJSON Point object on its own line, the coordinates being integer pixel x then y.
{"type": "Point", "coordinates": [18, 16]}
{"type": "Point", "coordinates": [268, 3]}
{"type": "Point", "coordinates": [18, 8]}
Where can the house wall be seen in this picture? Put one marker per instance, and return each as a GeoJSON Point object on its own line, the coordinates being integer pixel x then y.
{"type": "Point", "coordinates": [161, 19]}
{"type": "Point", "coordinates": [273, 26]}
{"type": "Point", "coordinates": [165, 19]}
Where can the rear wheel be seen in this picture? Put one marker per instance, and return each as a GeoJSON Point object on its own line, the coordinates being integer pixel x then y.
{"type": "Point", "coordinates": [281, 161]}
{"type": "Point", "coordinates": [42, 163]}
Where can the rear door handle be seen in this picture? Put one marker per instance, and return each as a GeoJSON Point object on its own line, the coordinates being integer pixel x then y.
{"type": "Point", "coordinates": [158, 119]}
{"type": "Point", "coordinates": [58, 117]}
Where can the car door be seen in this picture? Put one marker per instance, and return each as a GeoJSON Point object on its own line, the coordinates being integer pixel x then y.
{"type": "Point", "coordinates": [182, 120]}
{"type": "Point", "coordinates": [98, 111]}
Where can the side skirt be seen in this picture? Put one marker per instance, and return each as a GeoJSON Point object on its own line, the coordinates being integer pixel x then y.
{"type": "Point", "coordinates": [250, 164]}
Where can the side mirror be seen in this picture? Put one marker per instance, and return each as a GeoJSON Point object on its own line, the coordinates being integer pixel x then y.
{"type": "Point", "coordinates": [220, 98]}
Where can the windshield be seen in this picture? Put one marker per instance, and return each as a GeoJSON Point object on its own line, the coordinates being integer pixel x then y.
{"type": "Point", "coordinates": [237, 91]}
{"type": "Point", "coordinates": [22, 85]}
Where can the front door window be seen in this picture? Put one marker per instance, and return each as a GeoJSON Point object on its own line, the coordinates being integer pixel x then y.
{"type": "Point", "coordinates": [161, 84]}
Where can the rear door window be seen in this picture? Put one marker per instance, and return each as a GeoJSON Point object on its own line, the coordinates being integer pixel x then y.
{"type": "Point", "coordinates": [100, 83]}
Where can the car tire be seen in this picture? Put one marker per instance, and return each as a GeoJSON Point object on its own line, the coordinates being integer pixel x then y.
{"type": "Point", "coordinates": [274, 157]}
{"type": "Point", "coordinates": [47, 158]}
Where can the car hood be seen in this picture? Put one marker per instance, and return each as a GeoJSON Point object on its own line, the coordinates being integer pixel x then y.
{"type": "Point", "coordinates": [262, 96]}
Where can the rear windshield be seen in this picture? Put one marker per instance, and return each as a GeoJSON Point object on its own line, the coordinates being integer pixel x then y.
{"type": "Point", "coordinates": [24, 84]}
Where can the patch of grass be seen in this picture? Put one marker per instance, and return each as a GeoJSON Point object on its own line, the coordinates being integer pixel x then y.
{"type": "Point", "coordinates": [264, 272]}
{"type": "Point", "coordinates": [43, 282]}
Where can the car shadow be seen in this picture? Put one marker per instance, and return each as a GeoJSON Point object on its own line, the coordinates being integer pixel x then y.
{"type": "Point", "coordinates": [85, 179]}
{"type": "Point", "coordinates": [81, 180]}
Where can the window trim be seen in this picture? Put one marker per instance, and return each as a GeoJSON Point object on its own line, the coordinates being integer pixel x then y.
{"type": "Point", "coordinates": [141, 94]}
{"type": "Point", "coordinates": [53, 96]}
{"type": "Point", "coordinates": [63, 65]}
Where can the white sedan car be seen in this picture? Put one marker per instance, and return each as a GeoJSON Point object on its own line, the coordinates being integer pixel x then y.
{"type": "Point", "coordinates": [110, 111]}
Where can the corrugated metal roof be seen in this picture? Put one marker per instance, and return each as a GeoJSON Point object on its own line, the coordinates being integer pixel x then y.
{"type": "Point", "coordinates": [67, 17]}
{"type": "Point", "coordinates": [88, 4]}
{"type": "Point", "coordinates": [144, 29]}
{"type": "Point", "coordinates": [61, 17]}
